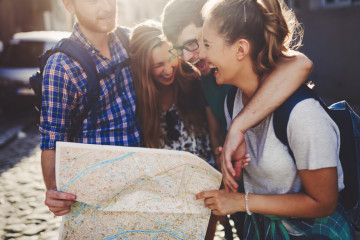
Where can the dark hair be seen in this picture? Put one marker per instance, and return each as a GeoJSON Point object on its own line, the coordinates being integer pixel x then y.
{"type": "Point", "coordinates": [178, 14]}
{"type": "Point", "coordinates": [271, 28]}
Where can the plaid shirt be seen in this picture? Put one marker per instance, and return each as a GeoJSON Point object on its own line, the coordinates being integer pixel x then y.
{"type": "Point", "coordinates": [337, 226]}
{"type": "Point", "coordinates": [63, 93]}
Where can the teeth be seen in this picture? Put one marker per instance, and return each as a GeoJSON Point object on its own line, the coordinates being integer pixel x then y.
{"type": "Point", "coordinates": [196, 61]}
{"type": "Point", "coordinates": [212, 66]}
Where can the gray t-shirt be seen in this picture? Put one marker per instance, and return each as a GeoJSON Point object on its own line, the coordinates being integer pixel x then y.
{"type": "Point", "coordinates": [313, 137]}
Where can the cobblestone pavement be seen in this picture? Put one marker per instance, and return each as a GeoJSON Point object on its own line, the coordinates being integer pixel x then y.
{"type": "Point", "coordinates": [23, 214]}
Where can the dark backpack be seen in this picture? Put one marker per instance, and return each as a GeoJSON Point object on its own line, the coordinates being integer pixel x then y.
{"type": "Point", "coordinates": [348, 123]}
{"type": "Point", "coordinates": [78, 53]}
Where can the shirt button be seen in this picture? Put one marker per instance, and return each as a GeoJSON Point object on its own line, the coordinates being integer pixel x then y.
{"type": "Point", "coordinates": [93, 52]}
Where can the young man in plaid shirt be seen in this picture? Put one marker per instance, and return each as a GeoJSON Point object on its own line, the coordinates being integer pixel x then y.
{"type": "Point", "coordinates": [64, 88]}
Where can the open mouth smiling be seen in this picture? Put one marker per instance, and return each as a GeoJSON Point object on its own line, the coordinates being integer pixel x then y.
{"type": "Point", "coordinates": [213, 68]}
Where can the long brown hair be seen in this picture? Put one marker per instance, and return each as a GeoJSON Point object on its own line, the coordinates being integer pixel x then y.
{"type": "Point", "coordinates": [269, 25]}
{"type": "Point", "coordinates": [145, 37]}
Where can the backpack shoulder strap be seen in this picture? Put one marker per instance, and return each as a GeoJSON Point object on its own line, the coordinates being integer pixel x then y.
{"type": "Point", "coordinates": [282, 114]}
{"type": "Point", "coordinates": [77, 52]}
{"type": "Point", "coordinates": [123, 33]}
{"type": "Point", "coordinates": [230, 98]}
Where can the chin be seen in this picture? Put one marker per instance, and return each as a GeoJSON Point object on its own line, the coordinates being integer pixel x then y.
{"type": "Point", "coordinates": [219, 81]}
{"type": "Point", "coordinates": [167, 83]}
{"type": "Point", "coordinates": [108, 27]}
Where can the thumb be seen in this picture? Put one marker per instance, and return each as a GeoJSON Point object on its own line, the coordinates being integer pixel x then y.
{"type": "Point", "coordinates": [218, 150]}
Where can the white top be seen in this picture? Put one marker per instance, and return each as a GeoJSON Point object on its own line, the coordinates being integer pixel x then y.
{"type": "Point", "coordinates": [313, 137]}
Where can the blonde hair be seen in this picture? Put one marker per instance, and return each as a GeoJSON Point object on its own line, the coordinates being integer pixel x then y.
{"type": "Point", "coordinates": [145, 37]}
{"type": "Point", "coordinates": [269, 25]}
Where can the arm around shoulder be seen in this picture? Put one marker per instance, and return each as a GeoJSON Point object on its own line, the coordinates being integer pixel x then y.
{"type": "Point", "coordinates": [289, 74]}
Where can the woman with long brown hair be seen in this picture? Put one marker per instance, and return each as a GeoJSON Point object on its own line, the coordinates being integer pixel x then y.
{"type": "Point", "coordinates": [287, 195]}
{"type": "Point", "coordinates": [169, 103]}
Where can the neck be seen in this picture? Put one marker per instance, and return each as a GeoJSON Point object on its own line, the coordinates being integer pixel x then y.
{"type": "Point", "coordinates": [248, 82]}
{"type": "Point", "coordinates": [166, 96]}
{"type": "Point", "coordinates": [98, 39]}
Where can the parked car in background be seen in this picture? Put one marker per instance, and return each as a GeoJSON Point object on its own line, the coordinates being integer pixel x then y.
{"type": "Point", "coordinates": [19, 61]}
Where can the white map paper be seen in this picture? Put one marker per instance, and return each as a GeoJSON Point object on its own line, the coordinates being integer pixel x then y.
{"type": "Point", "coordinates": [133, 193]}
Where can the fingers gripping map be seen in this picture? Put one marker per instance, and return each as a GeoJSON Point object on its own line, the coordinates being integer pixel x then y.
{"type": "Point", "coordinates": [133, 193]}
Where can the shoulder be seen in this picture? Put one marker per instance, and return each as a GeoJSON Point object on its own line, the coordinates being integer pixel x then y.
{"type": "Point", "coordinates": [313, 136]}
{"type": "Point", "coordinates": [58, 58]}
{"type": "Point", "coordinates": [56, 66]}
{"type": "Point", "coordinates": [61, 68]}
{"type": "Point", "coordinates": [60, 61]}
{"type": "Point", "coordinates": [122, 42]}
{"type": "Point", "coordinates": [310, 114]}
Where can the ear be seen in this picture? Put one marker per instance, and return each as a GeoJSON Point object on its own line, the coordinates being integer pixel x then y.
{"type": "Point", "coordinates": [69, 5]}
{"type": "Point", "coordinates": [241, 48]}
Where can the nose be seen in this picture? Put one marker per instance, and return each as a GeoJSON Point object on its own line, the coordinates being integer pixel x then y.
{"type": "Point", "coordinates": [202, 52]}
{"type": "Point", "coordinates": [168, 68]}
{"type": "Point", "coordinates": [108, 4]}
{"type": "Point", "coordinates": [187, 55]}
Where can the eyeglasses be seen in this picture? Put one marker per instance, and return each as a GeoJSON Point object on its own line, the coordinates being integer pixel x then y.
{"type": "Point", "coordinates": [171, 119]}
{"type": "Point", "coordinates": [191, 45]}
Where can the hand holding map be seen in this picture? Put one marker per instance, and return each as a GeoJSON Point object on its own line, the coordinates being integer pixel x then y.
{"type": "Point", "coordinates": [133, 193]}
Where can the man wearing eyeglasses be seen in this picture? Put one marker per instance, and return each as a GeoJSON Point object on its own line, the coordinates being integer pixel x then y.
{"type": "Point", "coordinates": [182, 24]}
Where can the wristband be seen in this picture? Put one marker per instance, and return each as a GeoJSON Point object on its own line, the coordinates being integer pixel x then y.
{"type": "Point", "coordinates": [247, 203]}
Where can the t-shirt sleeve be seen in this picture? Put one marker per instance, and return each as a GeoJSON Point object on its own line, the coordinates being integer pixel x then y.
{"type": "Point", "coordinates": [313, 136]}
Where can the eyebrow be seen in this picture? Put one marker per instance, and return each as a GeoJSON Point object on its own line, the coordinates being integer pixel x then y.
{"type": "Point", "coordinates": [157, 63]}
{"type": "Point", "coordinates": [205, 40]}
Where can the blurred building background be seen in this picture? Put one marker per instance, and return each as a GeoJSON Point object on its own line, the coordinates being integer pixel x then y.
{"type": "Point", "coordinates": [331, 41]}
{"type": "Point", "coordinates": [133, 12]}
{"type": "Point", "coordinates": [30, 15]}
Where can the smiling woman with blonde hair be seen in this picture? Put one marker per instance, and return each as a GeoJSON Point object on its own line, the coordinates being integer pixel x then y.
{"type": "Point", "coordinates": [288, 195]}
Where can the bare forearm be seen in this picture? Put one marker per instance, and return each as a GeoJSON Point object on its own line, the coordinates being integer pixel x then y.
{"type": "Point", "coordinates": [289, 74]}
{"type": "Point", "coordinates": [48, 168]}
{"type": "Point", "coordinates": [289, 205]}
{"type": "Point", "coordinates": [319, 198]}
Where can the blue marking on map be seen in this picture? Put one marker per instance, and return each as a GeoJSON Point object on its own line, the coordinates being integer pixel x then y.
{"type": "Point", "coordinates": [116, 236]}
{"type": "Point", "coordinates": [85, 172]}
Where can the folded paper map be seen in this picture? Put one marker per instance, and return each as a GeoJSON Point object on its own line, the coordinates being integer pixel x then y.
{"type": "Point", "coordinates": [133, 193]}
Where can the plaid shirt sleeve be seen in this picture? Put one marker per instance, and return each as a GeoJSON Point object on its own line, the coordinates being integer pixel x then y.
{"type": "Point", "coordinates": [58, 97]}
